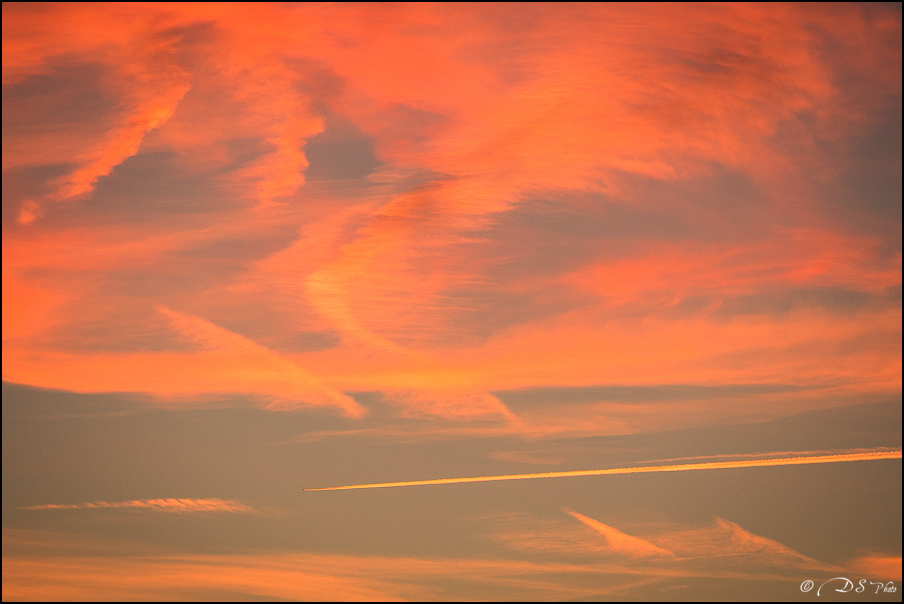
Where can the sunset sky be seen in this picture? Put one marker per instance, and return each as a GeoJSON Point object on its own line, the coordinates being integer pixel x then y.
{"type": "Point", "coordinates": [253, 250]}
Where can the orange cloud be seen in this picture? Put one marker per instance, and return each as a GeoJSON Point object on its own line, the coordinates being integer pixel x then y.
{"type": "Point", "coordinates": [795, 258]}
{"type": "Point", "coordinates": [583, 348]}
{"type": "Point", "coordinates": [722, 549]}
{"type": "Point", "coordinates": [474, 115]}
{"type": "Point", "coordinates": [178, 506]}
{"type": "Point", "coordinates": [227, 362]}
{"type": "Point", "coordinates": [157, 575]}
{"type": "Point", "coordinates": [150, 87]}
{"type": "Point", "coordinates": [27, 308]}
{"type": "Point", "coordinates": [743, 541]}
{"type": "Point", "coordinates": [876, 566]}
{"type": "Point", "coordinates": [257, 362]}
{"type": "Point", "coordinates": [724, 539]}
{"type": "Point", "coordinates": [148, 75]}
{"type": "Point", "coordinates": [671, 556]}
{"type": "Point", "coordinates": [621, 543]}
{"type": "Point", "coordinates": [449, 403]}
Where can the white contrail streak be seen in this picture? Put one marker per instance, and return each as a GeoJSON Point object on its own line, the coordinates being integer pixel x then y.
{"type": "Point", "coordinates": [715, 465]}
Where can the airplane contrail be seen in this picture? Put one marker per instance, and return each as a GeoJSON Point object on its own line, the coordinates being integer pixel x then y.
{"type": "Point", "coordinates": [715, 465]}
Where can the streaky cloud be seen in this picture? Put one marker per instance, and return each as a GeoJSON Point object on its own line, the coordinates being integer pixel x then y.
{"type": "Point", "coordinates": [716, 465]}
{"type": "Point", "coordinates": [178, 506]}
{"type": "Point", "coordinates": [620, 542]}
{"type": "Point", "coordinates": [773, 454]}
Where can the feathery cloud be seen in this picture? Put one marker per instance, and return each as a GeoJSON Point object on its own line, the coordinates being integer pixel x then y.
{"type": "Point", "coordinates": [177, 506]}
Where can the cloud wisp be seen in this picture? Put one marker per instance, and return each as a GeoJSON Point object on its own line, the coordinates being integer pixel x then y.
{"type": "Point", "coordinates": [716, 465]}
{"type": "Point", "coordinates": [621, 542]}
{"type": "Point", "coordinates": [319, 576]}
{"type": "Point", "coordinates": [171, 505]}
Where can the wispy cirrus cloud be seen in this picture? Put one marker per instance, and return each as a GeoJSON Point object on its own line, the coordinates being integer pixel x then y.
{"type": "Point", "coordinates": [720, 546]}
{"type": "Point", "coordinates": [528, 225]}
{"type": "Point", "coordinates": [307, 576]}
{"type": "Point", "coordinates": [433, 231]}
{"type": "Point", "coordinates": [148, 88]}
{"type": "Point", "coordinates": [252, 369]}
{"type": "Point", "coordinates": [171, 505]}
{"type": "Point", "coordinates": [621, 543]}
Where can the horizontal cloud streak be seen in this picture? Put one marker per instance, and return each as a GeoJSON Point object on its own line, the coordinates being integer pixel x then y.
{"type": "Point", "coordinates": [716, 465]}
{"type": "Point", "coordinates": [773, 454]}
{"type": "Point", "coordinates": [177, 506]}
{"type": "Point", "coordinates": [328, 577]}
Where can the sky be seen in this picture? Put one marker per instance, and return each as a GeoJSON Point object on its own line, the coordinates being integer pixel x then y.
{"type": "Point", "coordinates": [256, 251]}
